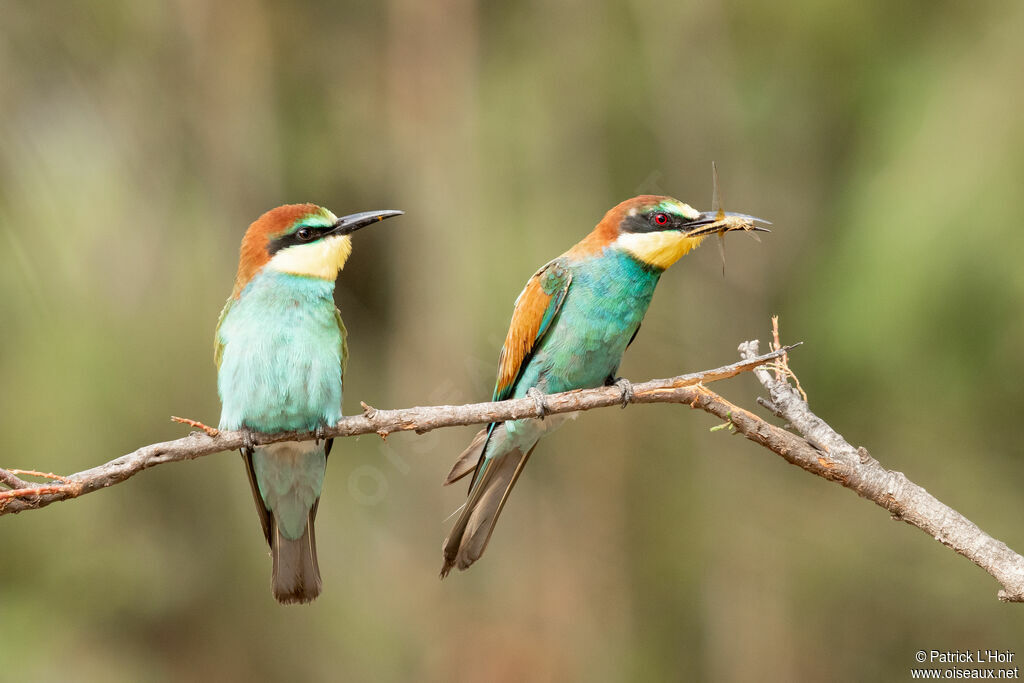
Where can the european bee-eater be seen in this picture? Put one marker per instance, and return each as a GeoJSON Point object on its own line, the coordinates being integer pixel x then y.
{"type": "Point", "coordinates": [280, 349]}
{"type": "Point", "coordinates": [570, 326]}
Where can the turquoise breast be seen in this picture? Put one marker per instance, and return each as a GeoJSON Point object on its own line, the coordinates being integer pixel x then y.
{"type": "Point", "coordinates": [281, 364]}
{"type": "Point", "coordinates": [607, 299]}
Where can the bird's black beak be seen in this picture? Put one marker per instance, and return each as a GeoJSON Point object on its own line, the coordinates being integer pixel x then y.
{"type": "Point", "coordinates": [346, 225]}
{"type": "Point", "coordinates": [723, 221]}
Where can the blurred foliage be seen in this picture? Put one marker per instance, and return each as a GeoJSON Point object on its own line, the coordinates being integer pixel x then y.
{"type": "Point", "coordinates": [885, 141]}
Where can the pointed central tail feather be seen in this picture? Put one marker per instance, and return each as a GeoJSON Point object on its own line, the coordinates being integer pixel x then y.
{"type": "Point", "coordinates": [287, 479]}
{"type": "Point", "coordinates": [296, 577]}
{"type": "Point", "coordinates": [469, 459]}
{"type": "Point", "coordinates": [468, 538]}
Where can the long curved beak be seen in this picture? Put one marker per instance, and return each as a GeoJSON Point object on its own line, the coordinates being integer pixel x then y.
{"type": "Point", "coordinates": [346, 225]}
{"type": "Point", "coordinates": [724, 221]}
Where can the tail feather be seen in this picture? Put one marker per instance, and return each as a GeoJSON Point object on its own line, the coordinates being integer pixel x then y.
{"type": "Point", "coordinates": [296, 576]}
{"type": "Point", "coordinates": [468, 538]}
{"type": "Point", "coordinates": [468, 459]}
{"type": "Point", "coordinates": [261, 508]}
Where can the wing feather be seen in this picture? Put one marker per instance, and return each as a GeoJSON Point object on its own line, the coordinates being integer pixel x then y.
{"type": "Point", "coordinates": [344, 342]}
{"type": "Point", "coordinates": [218, 343]}
{"type": "Point", "coordinates": [535, 309]}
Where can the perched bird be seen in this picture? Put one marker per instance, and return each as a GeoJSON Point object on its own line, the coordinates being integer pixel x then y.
{"type": "Point", "coordinates": [280, 349]}
{"type": "Point", "coordinates": [570, 326]}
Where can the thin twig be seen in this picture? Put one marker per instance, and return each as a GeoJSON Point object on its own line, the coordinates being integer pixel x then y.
{"type": "Point", "coordinates": [9, 479]}
{"type": "Point", "coordinates": [782, 369]}
{"type": "Point", "coordinates": [44, 475]}
{"type": "Point", "coordinates": [32, 493]}
{"type": "Point", "coordinates": [776, 344]}
{"type": "Point", "coordinates": [212, 431]}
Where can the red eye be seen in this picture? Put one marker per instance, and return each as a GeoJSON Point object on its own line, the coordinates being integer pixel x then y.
{"type": "Point", "coordinates": [661, 218]}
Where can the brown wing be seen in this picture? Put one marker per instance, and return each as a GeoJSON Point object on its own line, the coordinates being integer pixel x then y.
{"type": "Point", "coordinates": [535, 309]}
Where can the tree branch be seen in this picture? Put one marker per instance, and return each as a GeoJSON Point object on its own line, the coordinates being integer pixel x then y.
{"type": "Point", "coordinates": [821, 450]}
{"type": "Point", "coordinates": [372, 421]}
{"type": "Point", "coordinates": [824, 452]}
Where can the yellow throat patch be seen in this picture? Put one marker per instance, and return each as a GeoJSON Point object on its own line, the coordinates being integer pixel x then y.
{"type": "Point", "coordinates": [659, 249]}
{"type": "Point", "coordinates": [323, 259]}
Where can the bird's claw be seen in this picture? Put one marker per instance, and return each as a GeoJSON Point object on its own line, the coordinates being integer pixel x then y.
{"type": "Point", "coordinates": [248, 439]}
{"type": "Point", "coordinates": [538, 399]}
{"type": "Point", "coordinates": [320, 433]}
{"type": "Point", "coordinates": [626, 387]}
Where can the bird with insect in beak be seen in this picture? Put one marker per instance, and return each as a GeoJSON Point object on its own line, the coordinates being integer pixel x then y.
{"type": "Point", "coordinates": [570, 326]}
{"type": "Point", "coordinates": [280, 349]}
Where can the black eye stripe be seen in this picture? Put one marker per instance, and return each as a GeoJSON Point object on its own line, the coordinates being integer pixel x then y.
{"type": "Point", "coordinates": [290, 240]}
{"type": "Point", "coordinates": [648, 222]}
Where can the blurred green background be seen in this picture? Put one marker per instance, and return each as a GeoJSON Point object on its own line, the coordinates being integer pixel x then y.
{"type": "Point", "coordinates": [884, 139]}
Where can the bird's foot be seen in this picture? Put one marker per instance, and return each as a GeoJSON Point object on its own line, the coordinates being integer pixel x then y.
{"type": "Point", "coordinates": [248, 438]}
{"type": "Point", "coordinates": [538, 399]}
{"type": "Point", "coordinates": [320, 433]}
{"type": "Point", "coordinates": [626, 387]}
